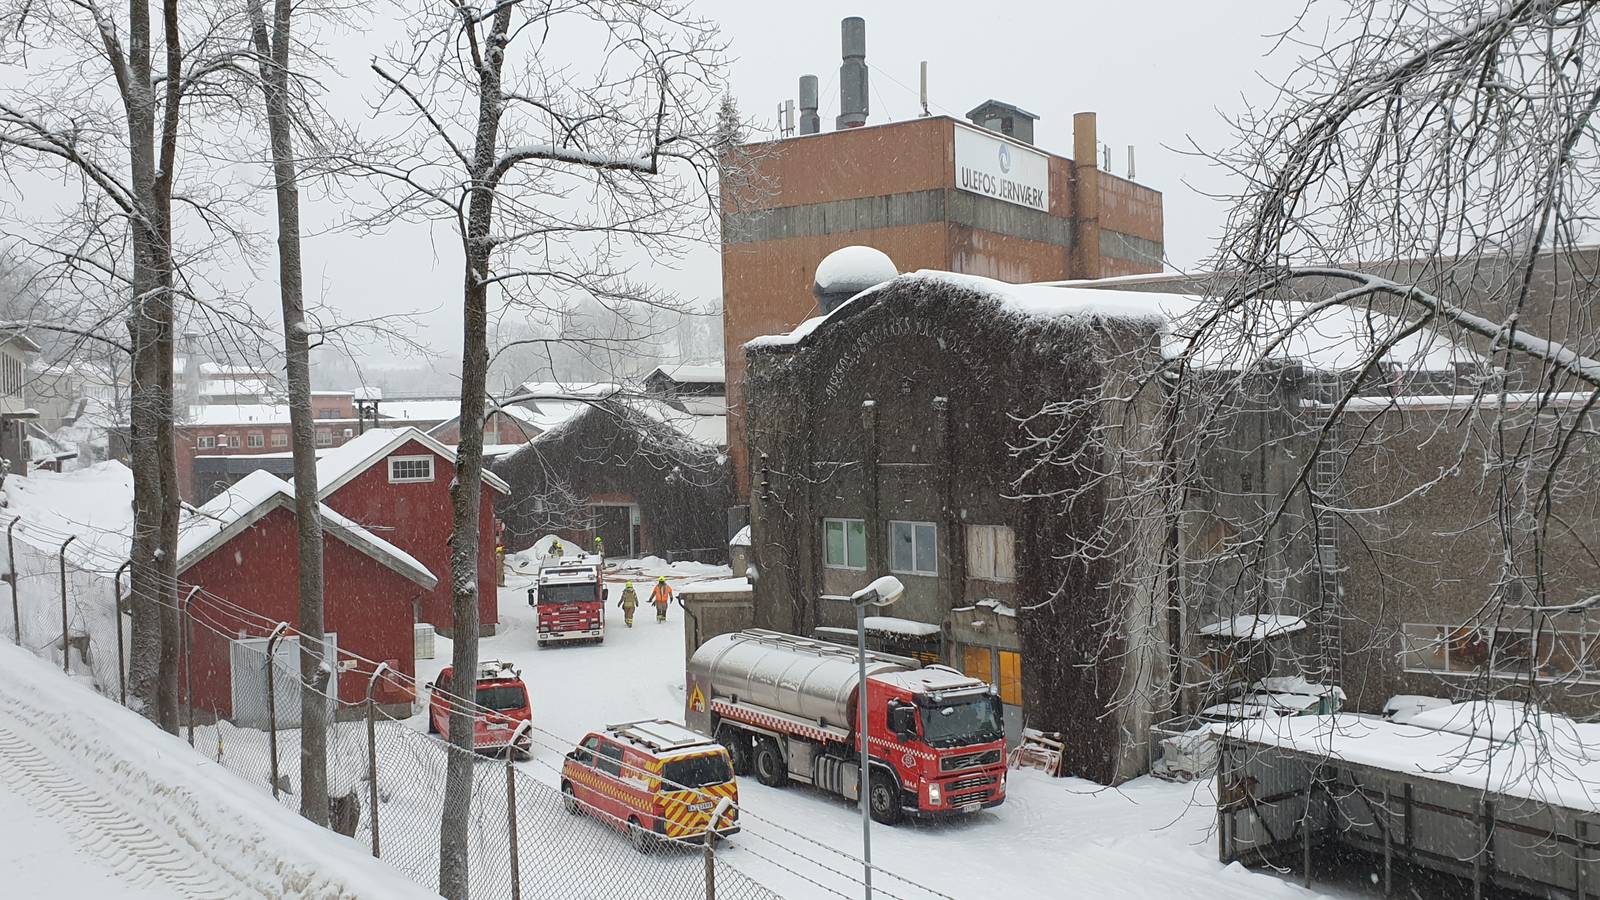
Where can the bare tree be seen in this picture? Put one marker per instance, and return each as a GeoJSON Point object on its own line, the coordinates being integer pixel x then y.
{"type": "Point", "coordinates": [62, 119]}
{"type": "Point", "coordinates": [558, 176]}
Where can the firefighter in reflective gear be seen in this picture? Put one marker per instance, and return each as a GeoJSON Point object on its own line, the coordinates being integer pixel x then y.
{"type": "Point", "coordinates": [629, 603]}
{"type": "Point", "coordinates": [660, 597]}
{"type": "Point", "coordinates": [599, 548]}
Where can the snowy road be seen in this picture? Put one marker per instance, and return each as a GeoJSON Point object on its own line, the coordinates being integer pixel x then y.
{"type": "Point", "coordinates": [95, 802]}
{"type": "Point", "coordinates": [1052, 837]}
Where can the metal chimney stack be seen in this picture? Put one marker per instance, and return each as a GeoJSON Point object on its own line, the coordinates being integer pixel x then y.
{"type": "Point", "coordinates": [810, 122]}
{"type": "Point", "coordinates": [853, 74]}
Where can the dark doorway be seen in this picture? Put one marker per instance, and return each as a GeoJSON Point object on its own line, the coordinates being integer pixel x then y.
{"type": "Point", "coordinates": [614, 525]}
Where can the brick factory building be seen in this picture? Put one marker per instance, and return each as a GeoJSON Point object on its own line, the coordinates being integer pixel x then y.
{"type": "Point", "coordinates": [932, 193]}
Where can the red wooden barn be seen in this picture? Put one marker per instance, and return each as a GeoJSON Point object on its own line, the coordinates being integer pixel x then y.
{"type": "Point", "coordinates": [240, 549]}
{"type": "Point", "coordinates": [396, 484]}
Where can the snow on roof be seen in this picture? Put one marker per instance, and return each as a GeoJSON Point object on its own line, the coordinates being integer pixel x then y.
{"type": "Point", "coordinates": [932, 678]}
{"type": "Point", "coordinates": [1254, 628]}
{"type": "Point", "coordinates": [691, 373]}
{"type": "Point", "coordinates": [239, 414]}
{"type": "Point", "coordinates": [742, 539]}
{"type": "Point", "coordinates": [903, 627]}
{"type": "Point", "coordinates": [432, 411]}
{"type": "Point", "coordinates": [1514, 758]}
{"type": "Point", "coordinates": [338, 466]}
{"type": "Point", "coordinates": [224, 516]}
{"type": "Point", "coordinates": [1513, 399]}
{"type": "Point", "coordinates": [568, 390]}
{"type": "Point", "coordinates": [718, 586]}
{"type": "Point", "coordinates": [1334, 339]}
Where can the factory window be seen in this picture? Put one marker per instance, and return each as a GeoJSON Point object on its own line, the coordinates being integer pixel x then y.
{"type": "Point", "coordinates": [844, 543]}
{"type": "Point", "coordinates": [279, 439]}
{"type": "Point", "coordinates": [979, 662]}
{"type": "Point", "coordinates": [1501, 652]}
{"type": "Point", "coordinates": [255, 439]}
{"type": "Point", "coordinates": [913, 548]}
{"type": "Point", "coordinates": [324, 437]}
{"type": "Point", "coordinates": [233, 441]}
{"type": "Point", "coordinates": [410, 468]}
{"type": "Point", "coordinates": [205, 442]}
{"type": "Point", "coordinates": [991, 552]}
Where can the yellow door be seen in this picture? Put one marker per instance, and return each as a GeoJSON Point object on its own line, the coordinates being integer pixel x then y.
{"type": "Point", "coordinates": [1011, 678]}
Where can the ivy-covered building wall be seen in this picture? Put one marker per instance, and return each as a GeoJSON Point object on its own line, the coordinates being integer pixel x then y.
{"type": "Point", "coordinates": [895, 436]}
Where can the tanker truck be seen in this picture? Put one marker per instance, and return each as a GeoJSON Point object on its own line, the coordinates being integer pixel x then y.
{"type": "Point", "coordinates": [785, 707]}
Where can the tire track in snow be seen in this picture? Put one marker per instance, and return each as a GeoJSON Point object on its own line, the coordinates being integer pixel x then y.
{"type": "Point", "coordinates": [101, 829]}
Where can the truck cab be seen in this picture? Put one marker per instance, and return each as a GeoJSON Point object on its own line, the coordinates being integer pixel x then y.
{"type": "Point", "coordinates": [504, 696]}
{"type": "Point", "coordinates": [656, 780]}
{"type": "Point", "coordinates": [569, 600]}
{"type": "Point", "coordinates": [947, 730]}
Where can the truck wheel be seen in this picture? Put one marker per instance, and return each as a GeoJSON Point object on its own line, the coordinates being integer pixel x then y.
{"type": "Point", "coordinates": [739, 752]}
{"type": "Point", "coordinates": [771, 768]}
{"type": "Point", "coordinates": [640, 837]}
{"type": "Point", "coordinates": [569, 799]}
{"type": "Point", "coordinates": [884, 797]}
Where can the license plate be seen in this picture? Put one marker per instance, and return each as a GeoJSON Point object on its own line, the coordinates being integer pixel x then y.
{"type": "Point", "coordinates": [701, 807]}
{"type": "Point", "coordinates": [972, 807]}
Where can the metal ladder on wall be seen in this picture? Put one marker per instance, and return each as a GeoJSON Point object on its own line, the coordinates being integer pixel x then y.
{"type": "Point", "coordinates": [1325, 491]}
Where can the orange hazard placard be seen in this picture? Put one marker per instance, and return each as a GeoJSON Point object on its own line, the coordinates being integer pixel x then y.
{"type": "Point", "coordinates": [697, 700]}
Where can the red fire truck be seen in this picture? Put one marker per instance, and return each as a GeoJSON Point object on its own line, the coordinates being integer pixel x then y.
{"type": "Point", "coordinates": [502, 692]}
{"type": "Point", "coordinates": [569, 600]}
{"type": "Point", "coordinates": [785, 707]}
{"type": "Point", "coordinates": [654, 779]}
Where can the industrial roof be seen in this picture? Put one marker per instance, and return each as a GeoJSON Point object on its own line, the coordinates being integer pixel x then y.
{"type": "Point", "coordinates": [231, 512]}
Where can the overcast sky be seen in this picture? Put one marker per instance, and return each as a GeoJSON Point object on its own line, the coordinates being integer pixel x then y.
{"type": "Point", "coordinates": [1160, 74]}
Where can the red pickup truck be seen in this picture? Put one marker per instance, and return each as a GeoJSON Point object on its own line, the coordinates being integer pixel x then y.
{"type": "Point", "coordinates": [503, 694]}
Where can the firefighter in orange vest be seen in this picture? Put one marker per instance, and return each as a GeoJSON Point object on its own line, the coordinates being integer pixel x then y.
{"type": "Point", "coordinates": [661, 596]}
{"type": "Point", "coordinates": [629, 603]}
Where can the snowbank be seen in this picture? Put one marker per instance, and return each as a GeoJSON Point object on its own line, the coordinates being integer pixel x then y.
{"type": "Point", "coordinates": [196, 821]}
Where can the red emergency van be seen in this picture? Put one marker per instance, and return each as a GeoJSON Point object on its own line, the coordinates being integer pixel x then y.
{"type": "Point", "coordinates": [504, 695]}
{"type": "Point", "coordinates": [654, 779]}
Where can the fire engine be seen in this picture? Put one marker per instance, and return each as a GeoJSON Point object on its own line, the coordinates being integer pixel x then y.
{"type": "Point", "coordinates": [785, 707]}
{"type": "Point", "coordinates": [569, 600]}
{"type": "Point", "coordinates": [654, 779]}
{"type": "Point", "coordinates": [501, 691]}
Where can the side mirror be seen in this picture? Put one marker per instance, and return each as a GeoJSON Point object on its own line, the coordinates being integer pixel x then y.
{"type": "Point", "coordinates": [572, 755]}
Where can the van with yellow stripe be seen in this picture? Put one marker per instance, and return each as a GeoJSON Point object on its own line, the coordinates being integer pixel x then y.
{"type": "Point", "coordinates": [656, 780]}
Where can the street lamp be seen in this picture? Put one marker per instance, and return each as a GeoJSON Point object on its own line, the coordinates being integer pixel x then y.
{"type": "Point", "coordinates": [881, 592]}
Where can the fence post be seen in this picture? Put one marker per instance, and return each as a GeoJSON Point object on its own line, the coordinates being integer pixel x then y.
{"type": "Point", "coordinates": [372, 752]}
{"type": "Point", "coordinates": [11, 562]}
{"type": "Point", "coordinates": [511, 808]}
{"type": "Point", "coordinates": [272, 702]}
{"type": "Point", "coordinates": [711, 845]}
{"type": "Point", "coordinates": [185, 651]}
{"type": "Point", "coordinates": [122, 665]}
{"type": "Point", "coordinates": [66, 645]}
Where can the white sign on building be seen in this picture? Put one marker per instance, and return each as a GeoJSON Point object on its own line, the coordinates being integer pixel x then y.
{"type": "Point", "coordinates": [994, 167]}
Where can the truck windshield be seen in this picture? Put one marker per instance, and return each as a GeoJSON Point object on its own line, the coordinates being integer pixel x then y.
{"type": "Point", "coordinates": [502, 697]}
{"type": "Point", "coordinates": [555, 594]}
{"type": "Point", "coordinates": [696, 772]}
{"type": "Point", "coordinates": [968, 720]}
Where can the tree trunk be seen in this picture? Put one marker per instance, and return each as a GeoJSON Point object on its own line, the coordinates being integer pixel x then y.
{"type": "Point", "coordinates": [153, 456]}
{"type": "Point", "coordinates": [272, 57]}
{"type": "Point", "coordinates": [467, 491]}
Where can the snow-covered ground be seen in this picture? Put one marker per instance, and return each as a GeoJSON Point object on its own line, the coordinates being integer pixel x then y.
{"type": "Point", "coordinates": [1052, 837]}
{"type": "Point", "coordinates": [96, 802]}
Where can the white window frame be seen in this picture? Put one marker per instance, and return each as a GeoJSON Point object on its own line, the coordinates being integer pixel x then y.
{"type": "Point", "coordinates": [324, 437]}
{"type": "Point", "coordinates": [410, 479]}
{"type": "Point", "coordinates": [990, 568]}
{"type": "Point", "coordinates": [280, 439]}
{"type": "Point", "coordinates": [844, 525]}
{"type": "Point", "coordinates": [233, 442]}
{"type": "Point", "coordinates": [255, 440]}
{"type": "Point", "coordinates": [205, 442]}
{"type": "Point", "coordinates": [914, 570]}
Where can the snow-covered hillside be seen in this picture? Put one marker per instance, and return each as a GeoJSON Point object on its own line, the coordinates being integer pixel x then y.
{"type": "Point", "coordinates": [96, 802]}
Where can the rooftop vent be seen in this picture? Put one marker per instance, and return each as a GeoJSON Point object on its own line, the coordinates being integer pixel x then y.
{"type": "Point", "coordinates": [847, 272]}
{"type": "Point", "coordinates": [1012, 121]}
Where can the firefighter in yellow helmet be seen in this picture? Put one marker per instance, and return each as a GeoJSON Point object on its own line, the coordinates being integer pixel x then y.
{"type": "Point", "coordinates": [629, 603]}
{"type": "Point", "coordinates": [661, 597]}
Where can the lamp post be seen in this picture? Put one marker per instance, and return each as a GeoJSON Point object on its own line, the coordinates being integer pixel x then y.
{"type": "Point", "coordinates": [881, 592]}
